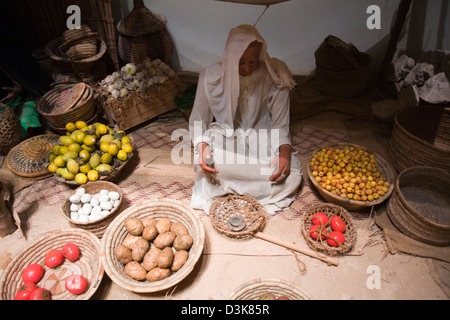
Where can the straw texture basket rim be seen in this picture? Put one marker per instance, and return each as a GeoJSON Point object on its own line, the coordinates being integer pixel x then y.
{"type": "Point", "coordinates": [384, 167]}
{"type": "Point", "coordinates": [52, 50]}
{"type": "Point", "coordinates": [253, 289]}
{"type": "Point", "coordinates": [88, 264]}
{"type": "Point", "coordinates": [97, 227]}
{"type": "Point", "coordinates": [116, 232]}
{"type": "Point", "coordinates": [330, 210]}
{"type": "Point", "coordinates": [405, 149]}
{"type": "Point", "coordinates": [405, 213]}
{"type": "Point", "coordinates": [249, 209]}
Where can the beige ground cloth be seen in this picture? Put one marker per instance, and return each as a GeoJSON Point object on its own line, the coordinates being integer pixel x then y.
{"type": "Point", "coordinates": [228, 263]}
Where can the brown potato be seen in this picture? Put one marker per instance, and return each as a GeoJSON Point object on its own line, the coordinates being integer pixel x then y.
{"type": "Point", "coordinates": [178, 228]}
{"type": "Point", "coordinates": [183, 242]}
{"type": "Point", "coordinates": [150, 259]}
{"type": "Point", "coordinates": [179, 259]}
{"type": "Point", "coordinates": [140, 248]}
{"type": "Point", "coordinates": [165, 258]}
{"type": "Point", "coordinates": [164, 240]}
{"type": "Point", "coordinates": [150, 232]}
{"type": "Point", "coordinates": [148, 222]}
{"type": "Point", "coordinates": [123, 254]}
{"type": "Point", "coordinates": [163, 225]}
{"type": "Point", "coordinates": [130, 240]}
{"type": "Point", "coordinates": [135, 270]}
{"type": "Point", "coordinates": [157, 274]}
{"type": "Point", "coordinates": [134, 226]}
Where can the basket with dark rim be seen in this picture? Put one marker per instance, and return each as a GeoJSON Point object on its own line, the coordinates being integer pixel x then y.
{"type": "Point", "coordinates": [97, 227]}
{"type": "Point", "coordinates": [156, 209]}
{"type": "Point", "coordinates": [88, 265]}
{"type": "Point", "coordinates": [67, 103]}
{"type": "Point", "coordinates": [252, 215]}
{"type": "Point", "coordinates": [383, 167]}
{"type": "Point", "coordinates": [421, 137]}
{"type": "Point", "coordinates": [330, 210]}
{"type": "Point", "coordinates": [420, 204]}
{"type": "Point", "coordinates": [254, 289]}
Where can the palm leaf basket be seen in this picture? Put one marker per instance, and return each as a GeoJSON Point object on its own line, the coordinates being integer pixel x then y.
{"type": "Point", "coordinates": [88, 264]}
{"type": "Point", "coordinates": [254, 289]}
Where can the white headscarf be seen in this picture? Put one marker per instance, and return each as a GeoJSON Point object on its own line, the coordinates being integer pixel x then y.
{"type": "Point", "coordinates": [222, 80]}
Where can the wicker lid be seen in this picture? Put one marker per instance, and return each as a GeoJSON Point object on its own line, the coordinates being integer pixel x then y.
{"type": "Point", "coordinates": [29, 158]}
{"type": "Point", "coordinates": [141, 20]}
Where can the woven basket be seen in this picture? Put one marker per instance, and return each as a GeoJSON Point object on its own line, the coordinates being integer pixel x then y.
{"type": "Point", "coordinates": [330, 210]}
{"type": "Point", "coordinates": [88, 264]}
{"type": "Point", "coordinates": [61, 105]}
{"type": "Point", "coordinates": [10, 129]}
{"type": "Point", "coordinates": [96, 227]}
{"type": "Point", "coordinates": [420, 204]}
{"type": "Point", "coordinates": [254, 289]}
{"type": "Point", "coordinates": [383, 166]}
{"type": "Point", "coordinates": [249, 209]}
{"type": "Point", "coordinates": [156, 209]}
{"type": "Point", "coordinates": [421, 137]}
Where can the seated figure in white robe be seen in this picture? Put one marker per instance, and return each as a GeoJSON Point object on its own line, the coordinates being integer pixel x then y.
{"type": "Point", "coordinates": [239, 127]}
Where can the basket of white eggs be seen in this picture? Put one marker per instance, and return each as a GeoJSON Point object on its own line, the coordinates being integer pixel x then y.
{"type": "Point", "coordinates": [93, 206]}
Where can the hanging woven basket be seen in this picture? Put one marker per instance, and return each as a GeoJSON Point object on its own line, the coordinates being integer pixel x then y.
{"type": "Point", "coordinates": [10, 129]}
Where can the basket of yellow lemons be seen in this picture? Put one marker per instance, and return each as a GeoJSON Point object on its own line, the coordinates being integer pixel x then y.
{"type": "Point", "coordinates": [89, 153]}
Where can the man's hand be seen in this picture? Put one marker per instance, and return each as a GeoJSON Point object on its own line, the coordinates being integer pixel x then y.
{"type": "Point", "coordinates": [204, 156]}
{"type": "Point", "coordinates": [284, 164]}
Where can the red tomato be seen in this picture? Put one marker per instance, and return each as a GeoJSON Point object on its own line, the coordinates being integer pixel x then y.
{"type": "Point", "coordinates": [314, 231]}
{"type": "Point", "coordinates": [319, 218]}
{"type": "Point", "coordinates": [76, 284]}
{"type": "Point", "coordinates": [337, 224]}
{"type": "Point", "coordinates": [335, 238]}
{"type": "Point", "coordinates": [24, 292]}
{"type": "Point", "coordinates": [40, 294]}
{"type": "Point", "coordinates": [33, 273]}
{"type": "Point", "coordinates": [53, 258]}
{"type": "Point", "coordinates": [71, 251]}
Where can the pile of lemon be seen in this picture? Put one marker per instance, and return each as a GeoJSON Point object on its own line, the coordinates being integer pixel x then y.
{"type": "Point", "coordinates": [87, 152]}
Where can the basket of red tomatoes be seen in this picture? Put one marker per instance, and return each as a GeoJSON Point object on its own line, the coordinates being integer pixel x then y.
{"type": "Point", "coordinates": [329, 228]}
{"type": "Point", "coordinates": [58, 265]}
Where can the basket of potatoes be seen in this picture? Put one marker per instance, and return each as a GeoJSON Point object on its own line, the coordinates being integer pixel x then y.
{"type": "Point", "coordinates": [152, 246]}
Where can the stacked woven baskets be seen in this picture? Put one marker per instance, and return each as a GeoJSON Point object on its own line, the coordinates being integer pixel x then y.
{"type": "Point", "coordinates": [78, 50]}
{"type": "Point", "coordinates": [341, 70]}
{"type": "Point", "coordinates": [143, 34]}
{"type": "Point", "coordinates": [67, 103]}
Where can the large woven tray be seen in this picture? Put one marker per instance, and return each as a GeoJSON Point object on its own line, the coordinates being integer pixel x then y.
{"type": "Point", "coordinates": [253, 290]}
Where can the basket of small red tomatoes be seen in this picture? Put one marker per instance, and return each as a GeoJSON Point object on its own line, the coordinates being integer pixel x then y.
{"type": "Point", "coordinates": [329, 228]}
{"type": "Point", "coordinates": [58, 265]}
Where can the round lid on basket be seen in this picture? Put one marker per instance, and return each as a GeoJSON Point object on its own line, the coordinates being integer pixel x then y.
{"type": "Point", "coordinates": [67, 97]}
{"type": "Point", "coordinates": [29, 158]}
{"type": "Point", "coordinates": [141, 20]}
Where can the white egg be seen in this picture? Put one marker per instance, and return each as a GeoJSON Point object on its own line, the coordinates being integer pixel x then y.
{"type": "Point", "coordinates": [116, 203]}
{"type": "Point", "coordinates": [113, 195]}
{"type": "Point", "coordinates": [74, 216]}
{"type": "Point", "coordinates": [85, 198]}
{"type": "Point", "coordinates": [103, 192]}
{"type": "Point", "coordinates": [81, 191]}
{"type": "Point", "coordinates": [75, 206]}
{"type": "Point", "coordinates": [94, 201]}
{"type": "Point", "coordinates": [103, 198]}
{"type": "Point", "coordinates": [75, 198]}
{"type": "Point", "coordinates": [87, 208]}
{"type": "Point", "coordinates": [83, 218]}
{"type": "Point", "coordinates": [106, 205]}
{"type": "Point", "coordinates": [104, 213]}
{"type": "Point", "coordinates": [96, 210]}
{"type": "Point", "coordinates": [94, 217]}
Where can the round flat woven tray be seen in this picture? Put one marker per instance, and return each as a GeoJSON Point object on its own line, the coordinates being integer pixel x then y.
{"type": "Point", "coordinates": [88, 264]}
{"type": "Point", "coordinates": [420, 204]}
{"type": "Point", "coordinates": [330, 210]}
{"type": "Point", "coordinates": [254, 289]}
{"type": "Point", "coordinates": [250, 213]}
{"type": "Point", "coordinates": [29, 158]}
